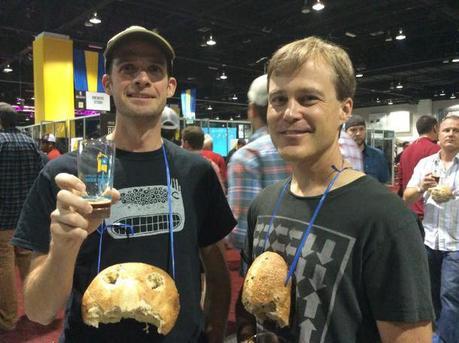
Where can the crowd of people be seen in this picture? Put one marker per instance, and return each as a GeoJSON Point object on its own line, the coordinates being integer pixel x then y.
{"type": "Point", "coordinates": [366, 264]}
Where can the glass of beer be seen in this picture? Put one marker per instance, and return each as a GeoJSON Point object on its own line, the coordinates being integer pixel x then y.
{"type": "Point", "coordinates": [96, 166]}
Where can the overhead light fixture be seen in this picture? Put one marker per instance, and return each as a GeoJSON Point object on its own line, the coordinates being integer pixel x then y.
{"type": "Point", "coordinates": [400, 35]}
{"type": "Point", "coordinates": [87, 23]}
{"type": "Point", "coordinates": [399, 85]}
{"type": "Point", "coordinates": [203, 42]}
{"type": "Point", "coordinates": [442, 93]}
{"type": "Point", "coordinates": [446, 61]}
{"type": "Point", "coordinates": [223, 76]}
{"type": "Point", "coordinates": [95, 19]}
{"type": "Point", "coordinates": [209, 108]}
{"type": "Point", "coordinates": [455, 60]}
{"type": "Point", "coordinates": [390, 102]}
{"type": "Point", "coordinates": [306, 8]}
{"type": "Point", "coordinates": [7, 69]}
{"type": "Point", "coordinates": [388, 37]}
{"type": "Point", "coordinates": [234, 97]}
{"type": "Point", "coordinates": [359, 75]}
{"type": "Point", "coordinates": [378, 100]}
{"type": "Point", "coordinates": [350, 34]}
{"type": "Point", "coordinates": [453, 96]}
{"type": "Point", "coordinates": [318, 6]}
{"type": "Point", "coordinates": [217, 118]}
{"type": "Point", "coordinates": [211, 41]}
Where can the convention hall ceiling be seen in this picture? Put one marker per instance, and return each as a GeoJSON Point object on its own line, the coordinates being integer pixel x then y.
{"type": "Point", "coordinates": [246, 34]}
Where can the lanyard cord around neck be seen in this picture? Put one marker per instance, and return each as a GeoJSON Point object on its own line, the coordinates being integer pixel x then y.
{"type": "Point", "coordinates": [103, 226]}
{"type": "Point", "coordinates": [311, 222]}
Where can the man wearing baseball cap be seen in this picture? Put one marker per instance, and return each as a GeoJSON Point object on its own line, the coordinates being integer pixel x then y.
{"type": "Point", "coordinates": [48, 145]}
{"type": "Point", "coordinates": [155, 179]}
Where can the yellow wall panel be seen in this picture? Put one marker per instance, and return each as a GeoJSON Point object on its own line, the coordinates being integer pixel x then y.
{"type": "Point", "coordinates": [53, 77]}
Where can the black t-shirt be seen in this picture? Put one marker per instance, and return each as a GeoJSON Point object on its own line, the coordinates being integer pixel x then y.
{"type": "Point", "coordinates": [201, 217]}
{"type": "Point", "coordinates": [363, 261]}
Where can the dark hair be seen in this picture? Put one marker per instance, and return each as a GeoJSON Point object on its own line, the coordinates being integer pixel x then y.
{"type": "Point", "coordinates": [7, 116]}
{"type": "Point", "coordinates": [425, 124]}
{"type": "Point", "coordinates": [194, 136]}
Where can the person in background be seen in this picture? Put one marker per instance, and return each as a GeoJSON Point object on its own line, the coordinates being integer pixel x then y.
{"type": "Point", "coordinates": [360, 273]}
{"type": "Point", "coordinates": [193, 140]}
{"type": "Point", "coordinates": [20, 164]}
{"type": "Point", "coordinates": [399, 155]}
{"type": "Point", "coordinates": [58, 225]}
{"type": "Point", "coordinates": [254, 166]}
{"type": "Point", "coordinates": [207, 152]}
{"type": "Point", "coordinates": [239, 144]}
{"type": "Point", "coordinates": [48, 145]}
{"type": "Point", "coordinates": [374, 162]}
{"type": "Point", "coordinates": [441, 225]}
{"type": "Point", "coordinates": [425, 145]}
{"type": "Point", "coordinates": [170, 123]}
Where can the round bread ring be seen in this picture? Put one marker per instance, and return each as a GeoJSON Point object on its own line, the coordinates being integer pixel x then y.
{"type": "Point", "coordinates": [264, 292]}
{"type": "Point", "coordinates": [132, 290]}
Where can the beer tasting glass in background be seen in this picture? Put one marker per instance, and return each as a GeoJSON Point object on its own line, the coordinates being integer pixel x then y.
{"type": "Point", "coordinates": [95, 161]}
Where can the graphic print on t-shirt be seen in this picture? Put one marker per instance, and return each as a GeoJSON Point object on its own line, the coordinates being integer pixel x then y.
{"type": "Point", "coordinates": [146, 210]}
{"type": "Point", "coordinates": [318, 273]}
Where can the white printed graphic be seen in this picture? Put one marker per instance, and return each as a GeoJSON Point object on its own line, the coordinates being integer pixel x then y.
{"type": "Point", "coordinates": [144, 211]}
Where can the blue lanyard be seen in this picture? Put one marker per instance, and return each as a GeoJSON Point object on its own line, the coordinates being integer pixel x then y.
{"type": "Point", "coordinates": [104, 227]}
{"type": "Point", "coordinates": [310, 225]}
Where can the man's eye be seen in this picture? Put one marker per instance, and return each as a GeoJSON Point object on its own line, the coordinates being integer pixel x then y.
{"type": "Point", "coordinates": [278, 100]}
{"type": "Point", "coordinates": [128, 68]}
{"type": "Point", "coordinates": [307, 99]}
{"type": "Point", "coordinates": [154, 69]}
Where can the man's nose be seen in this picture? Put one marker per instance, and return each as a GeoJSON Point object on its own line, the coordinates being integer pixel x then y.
{"type": "Point", "coordinates": [142, 78]}
{"type": "Point", "coordinates": [293, 110]}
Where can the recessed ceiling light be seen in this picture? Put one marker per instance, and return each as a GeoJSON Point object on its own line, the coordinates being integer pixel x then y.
{"type": "Point", "coordinates": [95, 19]}
{"type": "Point", "coordinates": [318, 6]}
{"type": "Point", "coordinates": [400, 35]}
{"type": "Point", "coordinates": [211, 41]}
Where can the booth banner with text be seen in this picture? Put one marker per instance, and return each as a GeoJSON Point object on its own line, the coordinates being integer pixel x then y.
{"type": "Point", "coordinates": [97, 101]}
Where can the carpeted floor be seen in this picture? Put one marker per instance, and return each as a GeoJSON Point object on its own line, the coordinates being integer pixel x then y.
{"type": "Point", "coordinates": [29, 332]}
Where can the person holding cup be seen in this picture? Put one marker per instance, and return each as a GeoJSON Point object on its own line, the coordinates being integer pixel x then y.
{"type": "Point", "coordinates": [435, 180]}
{"type": "Point", "coordinates": [153, 180]}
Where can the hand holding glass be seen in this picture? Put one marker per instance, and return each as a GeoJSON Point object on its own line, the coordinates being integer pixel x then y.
{"type": "Point", "coordinates": [96, 167]}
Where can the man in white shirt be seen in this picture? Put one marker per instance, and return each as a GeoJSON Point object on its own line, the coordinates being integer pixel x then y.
{"type": "Point", "coordinates": [441, 224]}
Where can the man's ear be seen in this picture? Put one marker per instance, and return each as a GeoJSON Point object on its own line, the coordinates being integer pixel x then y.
{"type": "Point", "coordinates": [346, 110]}
{"type": "Point", "coordinates": [106, 81]}
{"type": "Point", "coordinates": [171, 86]}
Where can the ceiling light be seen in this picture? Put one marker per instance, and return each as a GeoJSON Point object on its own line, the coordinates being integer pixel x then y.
{"type": "Point", "coordinates": [453, 96]}
{"type": "Point", "coordinates": [445, 61]}
{"type": "Point", "coordinates": [401, 35]}
{"type": "Point", "coordinates": [388, 37]}
{"type": "Point", "coordinates": [390, 102]}
{"type": "Point", "coordinates": [87, 23]}
{"type": "Point", "coordinates": [318, 6]}
{"type": "Point", "coordinates": [359, 75]}
{"type": "Point", "coordinates": [455, 60]}
{"type": "Point", "coordinates": [378, 100]}
{"type": "Point", "coordinates": [95, 19]}
{"type": "Point", "coordinates": [7, 69]}
{"type": "Point", "coordinates": [217, 118]}
{"type": "Point", "coordinates": [399, 85]}
{"type": "Point", "coordinates": [442, 93]}
{"type": "Point", "coordinates": [211, 41]}
{"type": "Point", "coordinates": [203, 42]}
{"type": "Point", "coordinates": [306, 9]}
{"type": "Point", "coordinates": [209, 108]}
{"type": "Point", "coordinates": [234, 97]}
{"type": "Point", "coordinates": [223, 76]}
{"type": "Point", "coordinates": [350, 34]}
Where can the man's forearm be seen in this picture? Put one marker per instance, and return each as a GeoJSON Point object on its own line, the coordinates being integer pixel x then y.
{"type": "Point", "coordinates": [218, 293]}
{"type": "Point", "coordinates": [412, 194]}
{"type": "Point", "coordinates": [49, 284]}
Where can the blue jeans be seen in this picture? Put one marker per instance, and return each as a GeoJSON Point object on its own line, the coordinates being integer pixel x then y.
{"type": "Point", "coordinates": [444, 278]}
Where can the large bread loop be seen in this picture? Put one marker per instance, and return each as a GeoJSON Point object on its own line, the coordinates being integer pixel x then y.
{"type": "Point", "coordinates": [264, 293]}
{"type": "Point", "coordinates": [132, 290]}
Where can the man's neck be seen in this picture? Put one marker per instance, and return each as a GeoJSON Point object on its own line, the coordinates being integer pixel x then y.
{"type": "Point", "coordinates": [448, 155]}
{"type": "Point", "coordinates": [137, 134]}
{"type": "Point", "coordinates": [430, 136]}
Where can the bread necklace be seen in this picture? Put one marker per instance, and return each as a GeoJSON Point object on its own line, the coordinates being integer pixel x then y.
{"type": "Point", "coordinates": [104, 227]}
{"type": "Point", "coordinates": [311, 222]}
